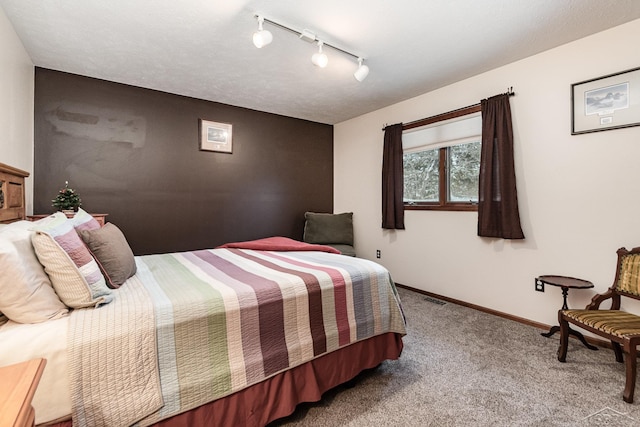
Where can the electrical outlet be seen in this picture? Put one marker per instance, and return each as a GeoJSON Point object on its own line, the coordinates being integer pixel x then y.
{"type": "Point", "coordinates": [539, 285]}
{"type": "Point", "coordinates": [378, 253]}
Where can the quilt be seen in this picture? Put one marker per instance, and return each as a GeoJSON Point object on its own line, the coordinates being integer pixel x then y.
{"type": "Point", "coordinates": [193, 327]}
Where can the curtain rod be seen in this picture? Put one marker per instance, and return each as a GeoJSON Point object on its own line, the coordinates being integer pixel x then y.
{"type": "Point", "coordinates": [448, 115]}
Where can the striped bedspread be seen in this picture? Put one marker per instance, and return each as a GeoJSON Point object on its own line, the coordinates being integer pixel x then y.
{"type": "Point", "coordinates": [218, 321]}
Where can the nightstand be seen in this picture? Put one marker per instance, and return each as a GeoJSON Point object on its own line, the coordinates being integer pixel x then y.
{"type": "Point", "coordinates": [100, 217]}
{"type": "Point", "coordinates": [18, 384]}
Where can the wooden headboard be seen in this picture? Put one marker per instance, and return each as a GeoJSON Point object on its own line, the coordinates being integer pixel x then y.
{"type": "Point", "coordinates": [12, 200]}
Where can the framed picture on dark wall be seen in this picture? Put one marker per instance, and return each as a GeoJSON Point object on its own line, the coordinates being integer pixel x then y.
{"type": "Point", "coordinates": [215, 136]}
{"type": "Point", "coordinates": [607, 102]}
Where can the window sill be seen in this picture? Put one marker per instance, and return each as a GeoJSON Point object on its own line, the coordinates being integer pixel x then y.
{"type": "Point", "coordinates": [450, 207]}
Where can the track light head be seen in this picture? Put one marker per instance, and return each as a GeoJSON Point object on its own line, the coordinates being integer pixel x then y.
{"type": "Point", "coordinates": [319, 58]}
{"type": "Point", "coordinates": [261, 37]}
{"type": "Point", "coordinates": [362, 72]}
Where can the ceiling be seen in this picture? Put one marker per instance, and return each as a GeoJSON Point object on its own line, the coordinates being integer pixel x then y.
{"type": "Point", "coordinates": [204, 49]}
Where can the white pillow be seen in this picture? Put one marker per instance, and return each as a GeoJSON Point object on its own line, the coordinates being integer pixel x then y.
{"type": "Point", "coordinates": [26, 294]}
{"type": "Point", "coordinates": [3, 318]}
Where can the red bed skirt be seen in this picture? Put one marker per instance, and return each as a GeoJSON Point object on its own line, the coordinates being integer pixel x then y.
{"type": "Point", "coordinates": [278, 396]}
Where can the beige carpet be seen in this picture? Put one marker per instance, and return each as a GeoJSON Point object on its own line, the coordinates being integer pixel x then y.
{"type": "Point", "coordinates": [462, 367]}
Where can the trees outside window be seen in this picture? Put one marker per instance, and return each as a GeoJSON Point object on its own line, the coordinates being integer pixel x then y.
{"type": "Point", "coordinates": [444, 178]}
{"type": "Point", "coordinates": [421, 176]}
{"type": "Point", "coordinates": [463, 171]}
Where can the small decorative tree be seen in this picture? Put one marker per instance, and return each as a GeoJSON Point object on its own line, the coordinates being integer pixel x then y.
{"type": "Point", "coordinates": [67, 199]}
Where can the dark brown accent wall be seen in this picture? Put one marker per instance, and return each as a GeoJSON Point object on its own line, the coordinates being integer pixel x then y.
{"type": "Point", "coordinates": [134, 153]}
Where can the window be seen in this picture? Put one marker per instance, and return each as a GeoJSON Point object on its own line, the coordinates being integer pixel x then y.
{"type": "Point", "coordinates": [442, 164]}
{"type": "Point", "coordinates": [463, 170]}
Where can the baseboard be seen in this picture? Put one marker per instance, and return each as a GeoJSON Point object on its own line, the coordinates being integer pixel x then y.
{"type": "Point", "coordinates": [542, 326]}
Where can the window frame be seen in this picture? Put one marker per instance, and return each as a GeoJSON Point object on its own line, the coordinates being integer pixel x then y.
{"type": "Point", "coordinates": [443, 204]}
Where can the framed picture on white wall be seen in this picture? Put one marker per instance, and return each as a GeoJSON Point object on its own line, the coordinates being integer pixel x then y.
{"type": "Point", "coordinates": [605, 103]}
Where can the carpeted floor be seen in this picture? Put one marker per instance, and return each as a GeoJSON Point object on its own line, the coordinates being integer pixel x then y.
{"type": "Point", "coordinates": [462, 367]}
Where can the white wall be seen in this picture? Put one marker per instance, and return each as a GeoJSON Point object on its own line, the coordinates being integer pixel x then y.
{"type": "Point", "coordinates": [579, 196]}
{"type": "Point", "coordinates": [16, 104]}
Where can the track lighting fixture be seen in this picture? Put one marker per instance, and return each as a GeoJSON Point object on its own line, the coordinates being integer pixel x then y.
{"type": "Point", "coordinates": [263, 37]}
{"type": "Point", "coordinates": [320, 59]}
{"type": "Point", "coordinates": [362, 72]}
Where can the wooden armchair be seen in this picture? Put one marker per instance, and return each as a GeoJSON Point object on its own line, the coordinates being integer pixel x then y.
{"type": "Point", "coordinates": [620, 327]}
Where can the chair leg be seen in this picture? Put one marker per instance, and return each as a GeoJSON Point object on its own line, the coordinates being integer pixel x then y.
{"type": "Point", "coordinates": [564, 337]}
{"type": "Point", "coordinates": [617, 350]}
{"type": "Point", "coordinates": [630, 384]}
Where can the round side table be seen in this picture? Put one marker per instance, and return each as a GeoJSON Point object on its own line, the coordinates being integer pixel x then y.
{"type": "Point", "coordinates": [566, 283]}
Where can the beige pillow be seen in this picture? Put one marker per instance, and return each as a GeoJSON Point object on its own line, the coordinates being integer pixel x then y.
{"type": "Point", "coordinates": [74, 273]}
{"type": "Point", "coordinates": [112, 252]}
{"type": "Point", "coordinates": [26, 295]}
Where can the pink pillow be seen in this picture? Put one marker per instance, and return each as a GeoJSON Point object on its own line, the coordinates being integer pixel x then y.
{"type": "Point", "coordinates": [84, 221]}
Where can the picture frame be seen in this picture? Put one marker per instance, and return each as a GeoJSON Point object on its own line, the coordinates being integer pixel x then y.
{"type": "Point", "coordinates": [606, 103]}
{"type": "Point", "coordinates": [215, 136]}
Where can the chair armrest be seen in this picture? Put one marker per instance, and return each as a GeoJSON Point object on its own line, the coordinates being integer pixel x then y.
{"type": "Point", "coordinates": [600, 298]}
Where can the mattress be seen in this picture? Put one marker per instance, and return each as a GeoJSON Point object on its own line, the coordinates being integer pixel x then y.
{"type": "Point", "coordinates": [48, 340]}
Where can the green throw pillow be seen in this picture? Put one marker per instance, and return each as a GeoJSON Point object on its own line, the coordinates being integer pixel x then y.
{"type": "Point", "coordinates": [323, 228]}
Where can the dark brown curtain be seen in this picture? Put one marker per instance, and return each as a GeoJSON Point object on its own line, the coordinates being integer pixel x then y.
{"type": "Point", "coordinates": [498, 214]}
{"type": "Point", "coordinates": [392, 179]}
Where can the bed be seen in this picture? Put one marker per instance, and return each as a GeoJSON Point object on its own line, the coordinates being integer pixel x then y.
{"type": "Point", "coordinates": [236, 335]}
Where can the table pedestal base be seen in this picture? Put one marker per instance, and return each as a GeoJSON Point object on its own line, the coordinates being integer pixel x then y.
{"type": "Point", "coordinates": [573, 332]}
